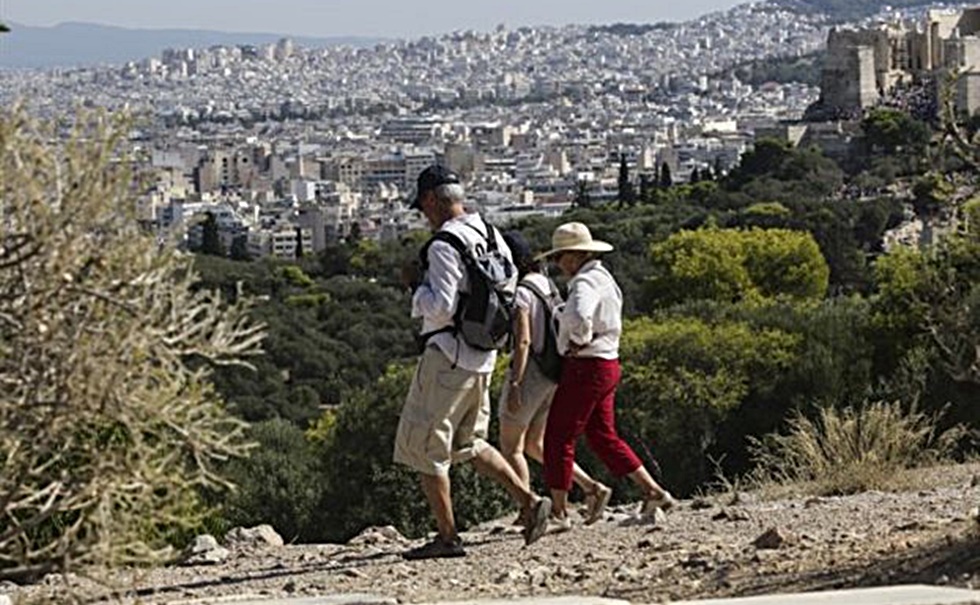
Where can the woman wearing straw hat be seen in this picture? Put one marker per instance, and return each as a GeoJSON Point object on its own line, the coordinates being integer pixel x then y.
{"type": "Point", "coordinates": [528, 391]}
{"type": "Point", "coordinates": [589, 329]}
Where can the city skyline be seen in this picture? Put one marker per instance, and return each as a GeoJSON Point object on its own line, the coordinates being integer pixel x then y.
{"type": "Point", "coordinates": [381, 18]}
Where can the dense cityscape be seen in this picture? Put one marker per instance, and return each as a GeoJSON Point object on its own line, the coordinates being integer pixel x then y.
{"type": "Point", "coordinates": [280, 142]}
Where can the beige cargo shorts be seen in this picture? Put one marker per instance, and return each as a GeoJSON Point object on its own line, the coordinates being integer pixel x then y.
{"type": "Point", "coordinates": [445, 418]}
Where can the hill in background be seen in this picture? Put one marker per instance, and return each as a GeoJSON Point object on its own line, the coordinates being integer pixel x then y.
{"type": "Point", "coordinates": [77, 44]}
{"type": "Point", "coordinates": [848, 10]}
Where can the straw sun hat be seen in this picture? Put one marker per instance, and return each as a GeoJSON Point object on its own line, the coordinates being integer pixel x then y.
{"type": "Point", "coordinates": [574, 237]}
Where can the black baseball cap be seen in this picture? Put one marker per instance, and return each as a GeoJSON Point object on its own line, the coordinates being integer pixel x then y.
{"type": "Point", "coordinates": [432, 177]}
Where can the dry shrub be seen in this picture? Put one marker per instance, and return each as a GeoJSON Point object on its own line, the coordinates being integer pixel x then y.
{"type": "Point", "coordinates": [108, 423]}
{"type": "Point", "coordinates": [852, 450]}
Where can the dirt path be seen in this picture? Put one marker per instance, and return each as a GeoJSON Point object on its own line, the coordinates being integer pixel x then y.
{"type": "Point", "coordinates": [705, 549]}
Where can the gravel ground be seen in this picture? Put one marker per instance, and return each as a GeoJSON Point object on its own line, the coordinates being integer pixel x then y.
{"type": "Point", "coordinates": [726, 545]}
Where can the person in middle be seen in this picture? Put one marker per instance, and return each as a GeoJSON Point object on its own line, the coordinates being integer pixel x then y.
{"type": "Point", "coordinates": [527, 393]}
{"type": "Point", "coordinates": [590, 326]}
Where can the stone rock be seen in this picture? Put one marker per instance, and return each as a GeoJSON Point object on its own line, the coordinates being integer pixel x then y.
{"type": "Point", "coordinates": [511, 577]}
{"type": "Point", "coordinates": [773, 538]}
{"type": "Point", "coordinates": [701, 504]}
{"type": "Point", "coordinates": [379, 536]}
{"type": "Point", "coordinates": [205, 550]}
{"type": "Point", "coordinates": [697, 562]}
{"type": "Point", "coordinates": [741, 498]}
{"type": "Point", "coordinates": [538, 576]}
{"type": "Point", "coordinates": [5, 600]}
{"type": "Point", "coordinates": [729, 515]}
{"type": "Point", "coordinates": [654, 519]}
{"type": "Point", "coordinates": [261, 536]}
{"type": "Point", "coordinates": [624, 573]}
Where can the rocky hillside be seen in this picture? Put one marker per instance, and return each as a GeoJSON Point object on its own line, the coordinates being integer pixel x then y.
{"type": "Point", "coordinates": [724, 545]}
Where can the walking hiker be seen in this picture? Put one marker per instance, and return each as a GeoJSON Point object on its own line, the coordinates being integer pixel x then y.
{"type": "Point", "coordinates": [446, 413]}
{"type": "Point", "coordinates": [532, 377]}
{"type": "Point", "coordinates": [590, 325]}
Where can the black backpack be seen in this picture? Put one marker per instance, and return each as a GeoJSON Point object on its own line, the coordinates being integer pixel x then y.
{"type": "Point", "coordinates": [483, 315]}
{"type": "Point", "coordinates": [549, 359]}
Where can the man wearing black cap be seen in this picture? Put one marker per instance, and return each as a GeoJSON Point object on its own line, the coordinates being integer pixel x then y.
{"type": "Point", "coordinates": [430, 179]}
{"type": "Point", "coordinates": [446, 414]}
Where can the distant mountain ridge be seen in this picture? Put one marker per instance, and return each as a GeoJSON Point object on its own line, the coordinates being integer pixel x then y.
{"type": "Point", "coordinates": [848, 10]}
{"type": "Point", "coordinates": [78, 44]}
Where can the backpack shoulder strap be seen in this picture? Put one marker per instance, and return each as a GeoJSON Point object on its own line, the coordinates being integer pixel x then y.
{"type": "Point", "coordinates": [490, 236]}
{"type": "Point", "coordinates": [443, 236]}
{"type": "Point", "coordinates": [546, 299]}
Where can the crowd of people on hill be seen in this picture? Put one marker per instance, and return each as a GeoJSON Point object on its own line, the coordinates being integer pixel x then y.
{"type": "Point", "coordinates": [560, 384]}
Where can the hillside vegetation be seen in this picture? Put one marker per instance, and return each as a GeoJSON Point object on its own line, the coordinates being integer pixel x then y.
{"type": "Point", "coordinates": [751, 299]}
{"type": "Point", "coordinates": [760, 302]}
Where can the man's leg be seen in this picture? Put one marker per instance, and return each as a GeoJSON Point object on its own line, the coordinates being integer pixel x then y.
{"type": "Point", "coordinates": [490, 463]}
{"type": "Point", "coordinates": [438, 492]}
{"type": "Point", "coordinates": [535, 510]}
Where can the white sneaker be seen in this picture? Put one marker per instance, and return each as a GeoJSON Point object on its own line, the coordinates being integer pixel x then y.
{"type": "Point", "coordinates": [559, 525]}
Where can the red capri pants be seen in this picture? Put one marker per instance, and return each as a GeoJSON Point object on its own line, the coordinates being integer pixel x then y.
{"type": "Point", "coordinates": [584, 403]}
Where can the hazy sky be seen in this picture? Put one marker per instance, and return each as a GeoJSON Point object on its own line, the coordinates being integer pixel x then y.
{"type": "Point", "coordinates": [386, 18]}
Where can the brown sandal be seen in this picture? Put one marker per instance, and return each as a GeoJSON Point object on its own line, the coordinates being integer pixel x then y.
{"type": "Point", "coordinates": [596, 502]}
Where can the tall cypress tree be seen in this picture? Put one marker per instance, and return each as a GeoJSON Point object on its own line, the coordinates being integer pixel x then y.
{"type": "Point", "coordinates": [645, 188]}
{"type": "Point", "coordinates": [666, 178]}
{"type": "Point", "coordinates": [718, 168]}
{"type": "Point", "coordinates": [626, 194]}
{"type": "Point", "coordinates": [210, 239]}
{"type": "Point", "coordinates": [582, 198]}
{"type": "Point", "coordinates": [239, 248]}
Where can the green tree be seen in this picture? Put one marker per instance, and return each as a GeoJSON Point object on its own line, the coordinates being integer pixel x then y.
{"type": "Point", "coordinates": [210, 238]}
{"type": "Point", "coordinates": [365, 488]}
{"type": "Point", "coordinates": [682, 379]}
{"type": "Point", "coordinates": [646, 188]}
{"type": "Point", "coordinates": [582, 198]}
{"type": "Point", "coordinates": [299, 242]}
{"type": "Point", "coordinates": [239, 249]}
{"type": "Point", "coordinates": [735, 265]}
{"type": "Point", "coordinates": [625, 193]}
{"type": "Point", "coordinates": [354, 234]}
{"type": "Point", "coordinates": [666, 179]}
{"type": "Point", "coordinates": [895, 132]}
{"type": "Point", "coordinates": [931, 196]}
{"type": "Point", "coordinates": [280, 483]}
{"type": "Point", "coordinates": [767, 156]}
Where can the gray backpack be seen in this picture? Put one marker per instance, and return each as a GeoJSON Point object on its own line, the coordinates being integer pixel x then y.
{"type": "Point", "coordinates": [549, 359]}
{"type": "Point", "coordinates": [483, 315]}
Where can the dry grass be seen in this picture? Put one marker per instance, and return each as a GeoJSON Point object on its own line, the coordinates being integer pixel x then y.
{"type": "Point", "coordinates": [852, 450]}
{"type": "Point", "coordinates": [109, 424]}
